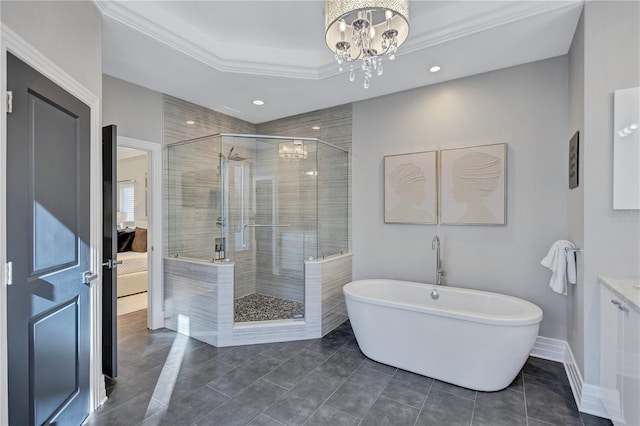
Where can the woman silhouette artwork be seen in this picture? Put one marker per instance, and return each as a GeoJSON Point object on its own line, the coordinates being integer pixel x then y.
{"type": "Point", "coordinates": [409, 184]}
{"type": "Point", "coordinates": [475, 176]}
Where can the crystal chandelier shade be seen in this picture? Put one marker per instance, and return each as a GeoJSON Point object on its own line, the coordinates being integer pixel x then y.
{"type": "Point", "coordinates": [367, 31]}
{"type": "Point", "coordinates": [292, 150]}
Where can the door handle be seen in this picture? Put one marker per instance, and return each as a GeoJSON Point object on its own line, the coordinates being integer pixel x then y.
{"type": "Point", "coordinates": [112, 264]}
{"type": "Point", "coordinates": [89, 276]}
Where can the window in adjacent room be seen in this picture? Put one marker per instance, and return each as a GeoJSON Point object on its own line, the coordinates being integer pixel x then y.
{"type": "Point", "coordinates": [126, 200]}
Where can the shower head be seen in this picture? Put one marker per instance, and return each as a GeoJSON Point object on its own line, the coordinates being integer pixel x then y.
{"type": "Point", "coordinates": [233, 157]}
{"type": "Point", "coordinates": [236, 157]}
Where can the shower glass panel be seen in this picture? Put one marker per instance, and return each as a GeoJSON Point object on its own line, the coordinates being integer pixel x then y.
{"type": "Point", "coordinates": [265, 203]}
{"type": "Point", "coordinates": [193, 198]}
{"type": "Point", "coordinates": [270, 222]}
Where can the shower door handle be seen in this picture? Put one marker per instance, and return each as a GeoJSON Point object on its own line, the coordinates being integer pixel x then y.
{"type": "Point", "coordinates": [266, 226]}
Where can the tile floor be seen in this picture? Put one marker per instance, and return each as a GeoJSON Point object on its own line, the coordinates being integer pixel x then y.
{"type": "Point", "coordinates": [170, 379]}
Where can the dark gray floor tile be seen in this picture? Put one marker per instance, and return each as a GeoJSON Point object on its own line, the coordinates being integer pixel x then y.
{"type": "Point", "coordinates": [551, 402]}
{"type": "Point", "coordinates": [504, 400]}
{"type": "Point", "coordinates": [130, 413]}
{"type": "Point", "coordinates": [534, 422]}
{"type": "Point", "coordinates": [341, 364]}
{"type": "Point", "coordinates": [130, 387]}
{"type": "Point", "coordinates": [330, 343]}
{"type": "Point", "coordinates": [386, 412]}
{"type": "Point", "coordinates": [285, 350]}
{"type": "Point", "coordinates": [453, 389]}
{"type": "Point", "coordinates": [589, 420]}
{"type": "Point", "coordinates": [236, 380]}
{"type": "Point", "coordinates": [245, 406]}
{"type": "Point", "coordinates": [188, 410]}
{"type": "Point", "coordinates": [264, 420]}
{"type": "Point", "coordinates": [191, 358]}
{"type": "Point", "coordinates": [238, 355]}
{"type": "Point", "coordinates": [484, 415]}
{"type": "Point", "coordinates": [329, 416]}
{"type": "Point", "coordinates": [173, 387]}
{"type": "Point", "coordinates": [352, 344]}
{"type": "Point", "coordinates": [517, 383]}
{"type": "Point", "coordinates": [303, 400]}
{"type": "Point", "coordinates": [378, 366]}
{"type": "Point", "coordinates": [132, 365]}
{"type": "Point", "coordinates": [147, 343]}
{"type": "Point", "coordinates": [295, 369]}
{"type": "Point", "coordinates": [408, 388]}
{"type": "Point", "coordinates": [359, 392]}
{"type": "Point", "coordinates": [442, 408]}
{"type": "Point", "coordinates": [211, 368]}
{"type": "Point", "coordinates": [545, 369]}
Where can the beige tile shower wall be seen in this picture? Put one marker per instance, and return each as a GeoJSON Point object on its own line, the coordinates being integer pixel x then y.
{"type": "Point", "coordinates": [193, 199]}
{"type": "Point", "coordinates": [333, 201]}
{"type": "Point", "coordinates": [191, 298]}
{"type": "Point", "coordinates": [192, 191]}
{"type": "Point", "coordinates": [335, 128]}
{"type": "Point", "coordinates": [177, 112]}
{"type": "Point", "coordinates": [280, 251]}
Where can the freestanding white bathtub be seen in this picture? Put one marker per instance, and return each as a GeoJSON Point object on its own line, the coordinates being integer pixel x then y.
{"type": "Point", "coordinates": [470, 338]}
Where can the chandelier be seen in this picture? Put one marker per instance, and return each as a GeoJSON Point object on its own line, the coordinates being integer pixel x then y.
{"type": "Point", "coordinates": [292, 150]}
{"type": "Point", "coordinates": [366, 31]}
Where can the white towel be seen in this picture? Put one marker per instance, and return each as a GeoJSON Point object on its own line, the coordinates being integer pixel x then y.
{"type": "Point", "coordinates": [562, 264]}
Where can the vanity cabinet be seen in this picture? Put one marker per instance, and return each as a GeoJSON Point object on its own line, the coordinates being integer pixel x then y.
{"type": "Point", "coordinates": [619, 358]}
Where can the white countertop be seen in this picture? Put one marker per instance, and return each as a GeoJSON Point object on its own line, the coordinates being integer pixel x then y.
{"type": "Point", "coordinates": [627, 289]}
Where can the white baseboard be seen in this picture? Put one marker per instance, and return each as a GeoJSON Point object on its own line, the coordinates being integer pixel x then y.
{"type": "Point", "coordinates": [587, 396]}
{"type": "Point", "coordinates": [551, 349]}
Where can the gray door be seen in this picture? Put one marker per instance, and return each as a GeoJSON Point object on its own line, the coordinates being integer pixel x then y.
{"type": "Point", "coordinates": [48, 145]}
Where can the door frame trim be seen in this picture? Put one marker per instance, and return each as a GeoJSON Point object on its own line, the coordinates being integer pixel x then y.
{"type": "Point", "coordinates": [13, 43]}
{"type": "Point", "coordinates": [155, 312]}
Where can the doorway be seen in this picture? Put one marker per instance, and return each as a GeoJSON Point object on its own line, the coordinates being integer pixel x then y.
{"type": "Point", "coordinates": [132, 207]}
{"type": "Point", "coordinates": [140, 168]}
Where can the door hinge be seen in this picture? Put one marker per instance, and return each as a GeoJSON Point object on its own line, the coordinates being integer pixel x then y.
{"type": "Point", "coordinates": [8, 273]}
{"type": "Point", "coordinates": [9, 101]}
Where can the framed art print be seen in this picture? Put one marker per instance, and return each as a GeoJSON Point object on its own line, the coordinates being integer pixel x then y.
{"type": "Point", "coordinates": [410, 188]}
{"type": "Point", "coordinates": [473, 185]}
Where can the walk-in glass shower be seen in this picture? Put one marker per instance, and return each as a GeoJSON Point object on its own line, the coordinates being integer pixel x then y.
{"type": "Point", "coordinates": [262, 203]}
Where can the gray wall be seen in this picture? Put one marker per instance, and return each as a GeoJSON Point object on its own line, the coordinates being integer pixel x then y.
{"type": "Point", "coordinates": [610, 47]}
{"type": "Point", "coordinates": [526, 107]}
{"type": "Point", "coordinates": [575, 197]}
{"type": "Point", "coordinates": [137, 111]}
{"type": "Point", "coordinates": [67, 32]}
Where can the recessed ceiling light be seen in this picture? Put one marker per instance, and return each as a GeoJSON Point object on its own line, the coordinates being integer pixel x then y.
{"type": "Point", "coordinates": [258, 102]}
{"type": "Point", "coordinates": [191, 122]}
{"type": "Point", "coordinates": [434, 68]}
{"type": "Point", "coordinates": [315, 128]}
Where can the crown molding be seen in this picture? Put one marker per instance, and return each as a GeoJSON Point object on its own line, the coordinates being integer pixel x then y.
{"type": "Point", "coordinates": [465, 23]}
{"type": "Point", "coordinates": [468, 25]}
{"type": "Point", "coordinates": [125, 16]}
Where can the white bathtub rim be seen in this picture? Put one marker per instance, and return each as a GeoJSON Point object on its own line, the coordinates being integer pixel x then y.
{"type": "Point", "coordinates": [531, 315]}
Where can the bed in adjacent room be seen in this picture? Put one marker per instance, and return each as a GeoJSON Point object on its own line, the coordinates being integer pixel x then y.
{"type": "Point", "coordinates": [132, 272]}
